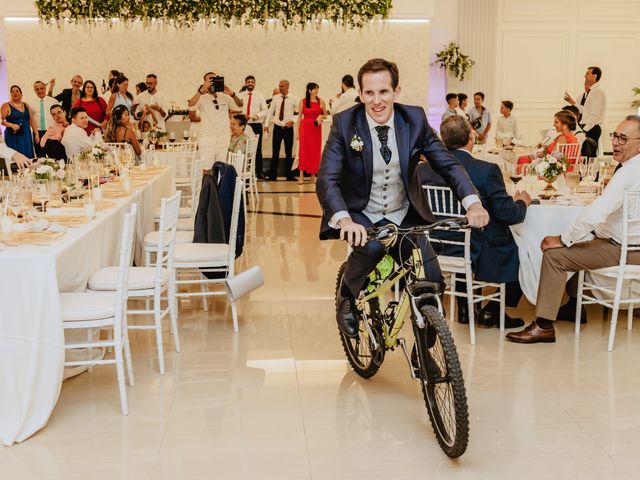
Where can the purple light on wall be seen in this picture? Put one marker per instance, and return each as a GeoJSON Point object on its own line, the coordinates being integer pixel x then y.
{"type": "Point", "coordinates": [437, 94]}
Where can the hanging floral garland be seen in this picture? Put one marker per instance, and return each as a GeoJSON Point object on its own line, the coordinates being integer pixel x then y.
{"type": "Point", "coordinates": [181, 13]}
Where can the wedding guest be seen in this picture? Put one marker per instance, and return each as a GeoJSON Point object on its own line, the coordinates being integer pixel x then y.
{"type": "Point", "coordinates": [140, 87]}
{"type": "Point", "coordinates": [494, 253]}
{"type": "Point", "coordinates": [118, 129]}
{"type": "Point", "coordinates": [480, 117]}
{"type": "Point", "coordinates": [592, 104]}
{"type": "Point", "coordinates": [95, 106]}
{"type": "Point", "coordinates": [105, 90]}
{"type": "Point", "coordinates": [281, 111]}
{"type": "Point", "coordinates": [51, 141]}
{"type": "Point", "coordinates": [452, 106]}
{"type": "Point", "coordinates": [121, 95]}
{"type": "Point", "coordinates": [18, 118]}
{"type": "Point", "coordinates": [211, 110]}
{"type": "Point", "coordinates": [146, 127]}
{"type": "Point", "coordinates": [564, 122]}
{"type": "Point", "coordinates": [347, 98]}
{"type": "Point", "coordinates": [69, 96]}
{"type": "Point", "coordinates": [152, 105]}
{"type": "Point", "coordinates": [592, 241]}
{"type": "Point", "coordinates": [507, 125]}
{"type": "Point", "coordinates": [312, 112]}
{"type": "Point", "coordinates": [75, 138]}
{"type": "Point", "coordinates": [41, 111]}
{"type": "Point", "coordinates": [463, 101]}
{"type": "Point", "coordinates": [239, 138]}
{"type": "Point", "coordinates": [106, 95]}
{"type": "Point", "coordinates": [255, 107]}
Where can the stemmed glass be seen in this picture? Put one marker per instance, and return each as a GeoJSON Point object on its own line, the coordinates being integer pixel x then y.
{"type": "Point", "coordinates": [530, 177]}
{"type": "Point", "coordinates": [573, 181]}
{"type": "Point", "coordinates": [515, 175]}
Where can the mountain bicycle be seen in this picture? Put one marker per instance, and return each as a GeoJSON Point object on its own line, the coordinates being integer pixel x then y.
{"type": "Point", "coordinates": [434, 359]}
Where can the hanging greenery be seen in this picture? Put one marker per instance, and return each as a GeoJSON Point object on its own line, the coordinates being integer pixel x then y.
{"type": "Point", "coordinates": [452, 58]}
{"type": "Point", "coordinates": [181, 13]}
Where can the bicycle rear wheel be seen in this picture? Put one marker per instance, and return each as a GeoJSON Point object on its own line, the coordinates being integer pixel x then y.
{"type": "Point", "coordinates": [442, 383]}
{"type": "Point", "coordinates": [363, 356]}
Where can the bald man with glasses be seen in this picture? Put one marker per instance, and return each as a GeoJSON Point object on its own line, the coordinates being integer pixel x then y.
{"type": "Point", "coordinates": [592, 241]}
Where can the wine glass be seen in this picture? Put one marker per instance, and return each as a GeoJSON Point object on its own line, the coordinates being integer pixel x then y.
{"type": "Point", "coordinates": [185, 135]}
{"type": "Point", "coordinates": [530, 176]}
{"type": "Point", "coordinates": [573, 181]}
{"type": "Point", "coordinates": [515, 175]}
{"type": "Point", "coordinates": [499, 143]}
{"type": "Point", "coordinates": [172, 136]}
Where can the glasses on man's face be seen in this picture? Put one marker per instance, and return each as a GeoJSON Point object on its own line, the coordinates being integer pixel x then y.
{"type": "Point", "coordinates": [215, 104]}
{"type": "Point", "coordinates": [621, 139]}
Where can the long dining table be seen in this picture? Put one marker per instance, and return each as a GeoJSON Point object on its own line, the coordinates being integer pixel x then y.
{"type": "Point", "coordinates": [32, 352]}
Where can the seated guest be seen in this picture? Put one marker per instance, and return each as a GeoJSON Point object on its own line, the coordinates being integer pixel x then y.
{"type": "Point", "coordinates": [507, 126]}
{"type": "Point", "coordinates": [75, 138]}
{"type": "Point", "coordinates": [94, 105]}
{"type": "Point", "coordinates": [238, 141]}
{"type": "Point", "coordinates": [593, 239]}
{"type": "Point", "coordinates": [452, 106]}
{"type": "Point", "coordinates": [140, 87]}
{"type": "Point", "coordinates": [51, 142]}
{"type": "Point", "coordinates": [119, 129]}
{"type": "Point", "coordinates": [494, 253]}
{"type": "Point", "coordinates": [564, 122]}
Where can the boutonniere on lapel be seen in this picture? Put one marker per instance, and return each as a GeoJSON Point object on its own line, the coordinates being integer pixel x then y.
{"type": "Point", "coordinates": [356, 143]}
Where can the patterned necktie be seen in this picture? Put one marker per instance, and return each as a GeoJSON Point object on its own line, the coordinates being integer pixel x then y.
{"type": "Point", "coordinates": [383, 136]}
{"type": "Point", "coordinates": [43, 121]}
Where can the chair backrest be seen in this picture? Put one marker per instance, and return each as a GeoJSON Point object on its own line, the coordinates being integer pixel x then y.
{"type": "Point", "coordinates": [631, 218]}
{"type": "Point", "coordinates": [181, 156]}
{"type": "Point", "coordinates": [127, 236]}
{"type": "Point", "coordinates": [181, 147]}
{"type": "Point", "coordinates": [196, 184]}
{"type": "Point", "coordinates": [443, 203]}
{"type": "Point", "coordinates": [237, 160]}
{"type": "Point", "coordinates": [169, 210]}
{"type": "Point", "coordinates": [570, 150]}
{"type": "Point", "coordinates": [235, 218]}
{"type": "Point", "coordinates": [252, 149]}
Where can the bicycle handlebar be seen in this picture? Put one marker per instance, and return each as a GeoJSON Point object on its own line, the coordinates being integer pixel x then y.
{"type": "Point", "coordinates": [388, 231]}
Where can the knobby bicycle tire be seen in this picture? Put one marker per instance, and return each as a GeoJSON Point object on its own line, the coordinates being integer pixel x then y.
{"type": "Point", "coordinates": [442, 383]}
{"type": "Point", "coordinates": [363, 358]}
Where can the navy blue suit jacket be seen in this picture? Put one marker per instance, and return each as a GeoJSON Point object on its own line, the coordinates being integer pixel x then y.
{"type": "Point", "coordinates": [494, 252]}
{"type": "Point", "coordinates": [345, 175]}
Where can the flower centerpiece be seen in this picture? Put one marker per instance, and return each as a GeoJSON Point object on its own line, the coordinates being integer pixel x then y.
{"type": "Point", "coordinates": [550, 167]}
{"type": "Point", "coordinates": [49, 169]}
{"type": "Point", "coordinates": [155, 134]}
{"type": "Point", "coordinates": [452, 59]}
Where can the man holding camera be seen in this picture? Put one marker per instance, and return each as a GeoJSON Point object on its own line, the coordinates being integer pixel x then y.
{"type": "Point", "coordinates": [210, 106]}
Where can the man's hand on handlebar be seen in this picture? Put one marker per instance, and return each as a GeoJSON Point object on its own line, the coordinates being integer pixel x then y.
{"type": "Point", "coordinates": [352, 232]}
{"type": "Point", "coordinates": [477, 215]}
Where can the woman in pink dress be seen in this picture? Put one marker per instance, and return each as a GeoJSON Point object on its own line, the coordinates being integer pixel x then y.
{"type": "Point", "coordinates": [312, 112]}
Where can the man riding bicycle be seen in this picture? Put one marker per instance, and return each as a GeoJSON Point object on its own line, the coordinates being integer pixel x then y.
{"type": "Point", "coordinates": [368, 178]}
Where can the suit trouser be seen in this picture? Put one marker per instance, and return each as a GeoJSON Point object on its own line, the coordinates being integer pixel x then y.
{"type": "Point", "coordinates": [363, 260]}
{"type": "Point", "coordinates": [39, 150]}
{"type": "Point", "coordinates": [557, 262]}
{"type": "Point", "coordinates": [594, 134]}
{"type": "Point", "coordinates": [280, 134]}
{"type": "Point", "coordinates": [257, 129]}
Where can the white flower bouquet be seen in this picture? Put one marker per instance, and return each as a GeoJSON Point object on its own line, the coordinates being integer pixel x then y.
{"type": "Point", "coordinates": [551, 166]}
{"type": "Point", "coordinates": [454, 60]}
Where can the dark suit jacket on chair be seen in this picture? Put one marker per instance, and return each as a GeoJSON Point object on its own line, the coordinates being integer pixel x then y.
{"type": "Point", "coordinates": [494, 252]}
{"type": "Point", "coordinates": [345, 175]}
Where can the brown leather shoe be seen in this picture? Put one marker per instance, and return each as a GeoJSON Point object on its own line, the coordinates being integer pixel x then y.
{"type": "Point", "coordinates": [533, 334]}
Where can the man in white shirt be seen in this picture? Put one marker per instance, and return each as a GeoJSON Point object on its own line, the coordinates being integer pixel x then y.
{"type": "Point", "coordinates": [577, 248]}
{"type": "Point", "coordinates": [75, 138]}
{"type": "Point", "coordinates": [348, 97]}
{"type": "Point", "coordinates": [592, 104]}
{"type": "Point", "coordinates": [452, 106]}
{"type": "Point", "coordinates": [507, 125]}
{"type": "Point", "coordinates": [152, 105]}
{"type": "Point", "coordinates": [211, 110]}
{"type": "Point", "coordinates": [9, 155]}
{"type": "Point", "coordinates": [254, 107]}
{"type": "Point", "coordinates": [282, 113]}
{"type": "Point", "coordinates": [41, 107]}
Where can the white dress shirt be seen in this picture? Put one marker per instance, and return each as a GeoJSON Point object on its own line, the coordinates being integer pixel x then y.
{"type": "Point", "coordinates": [594, 107]}
{"type": "Point", "coordinates": [604, 216]}
{"type": "Point", "coordinates": [6, 152]}
{"type": "Point", "coordinates": [258, 106]}
{"type": "Point", "coordinates": [47, 102]}
{"type": "Point", "coordinates": [214, 122]}
{"type": "Point", "coordinates": [345, 101]}
{"type": "Point", "coordinates": [388, 198]}
{"type": "Point", "coordinates": [146, 98]}
{"type": "Point", "coordinates": [507, 127]}
{"type": "Point", "coordinates": [290, 106]}
{"type": "Point", "coordinates": [75, 140]}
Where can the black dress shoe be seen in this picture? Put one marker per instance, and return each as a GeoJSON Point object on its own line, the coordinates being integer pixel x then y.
{"type": "Point", "coordinates": [463, 311]}
{"type": "Point", "coordinates": [489, 318]}
{"type": "Point", "coordinates": [346, 316]}
{"type": "Point", "coordinates": [272, 179]}
{"type": "Point", "coordinates": [291, 179]}
{"type": "Point", "coordinates": [567, 312]}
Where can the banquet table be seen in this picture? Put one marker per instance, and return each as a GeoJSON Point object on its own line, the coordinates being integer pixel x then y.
{"type": "Point", "coordinates": [31, 276]}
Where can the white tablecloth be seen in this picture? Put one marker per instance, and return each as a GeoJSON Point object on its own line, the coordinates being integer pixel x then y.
{"type": "Point", "coordinates": [31, 334]}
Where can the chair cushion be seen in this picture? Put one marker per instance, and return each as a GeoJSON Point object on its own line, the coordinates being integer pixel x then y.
{"type": "Point", "coordinates": [447, 263]}
{"type": "Point", "coordinates": [612, 272]}
{"type": "Point", "coordinates": [185, 224]}
{"type": "Point", "coordinates": [201, 252]}
{"type": "Point", "coordinates": [183, 212]}
{"type": "Point", "coordinates": [151, 239]}
{"type": "Point", "coordinates": [140, 278]}
{"type": "Point", "coordinates": [78, 306]}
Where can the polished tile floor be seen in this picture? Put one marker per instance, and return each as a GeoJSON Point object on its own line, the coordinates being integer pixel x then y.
{"type": "Point", "coordinates": [277, 401]}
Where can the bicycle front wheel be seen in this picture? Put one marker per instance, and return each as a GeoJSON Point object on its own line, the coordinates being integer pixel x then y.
{"type": "Point", "coordinates": [442, 384]}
